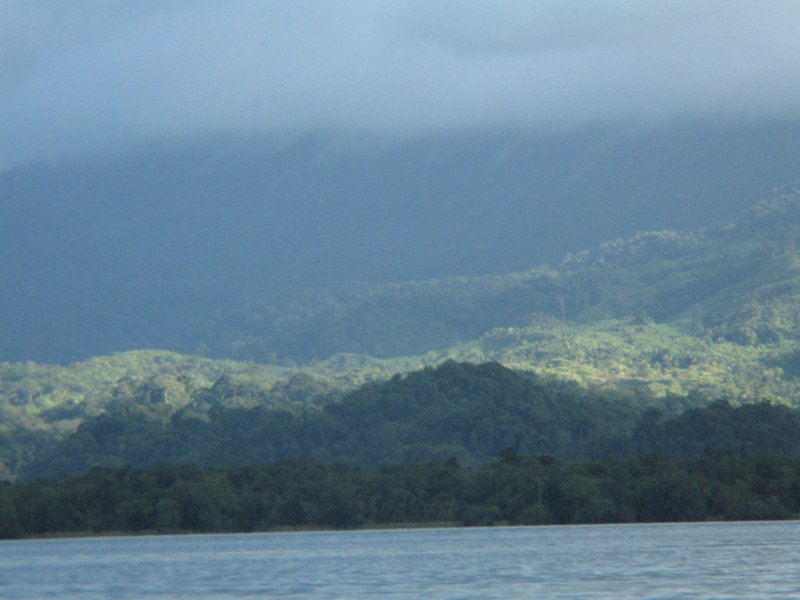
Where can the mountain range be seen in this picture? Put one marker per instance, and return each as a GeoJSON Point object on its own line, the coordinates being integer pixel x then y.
{"type": "Point", "coordinates": [665, 318]}
{"type": "Point", "coordinates": [153, 248]}
{"type": "Point", "coordinates": [169, 303]}
{"type": "Point", "coordinates": [712, 311]}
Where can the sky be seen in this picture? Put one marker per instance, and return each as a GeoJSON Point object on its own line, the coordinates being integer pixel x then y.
{"type": "Point", "coordinates": [90, 76]}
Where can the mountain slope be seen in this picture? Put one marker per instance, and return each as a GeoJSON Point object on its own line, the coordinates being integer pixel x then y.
{"type": "Point", "coordinates": [709, 314]}
{"type": "Point", "coordinates": [144, 250]}
{"type": "Point", "coordinates": [713, 311]}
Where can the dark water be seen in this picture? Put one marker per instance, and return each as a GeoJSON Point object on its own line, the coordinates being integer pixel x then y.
{"type": "Point", "coordinates": [728, 560]}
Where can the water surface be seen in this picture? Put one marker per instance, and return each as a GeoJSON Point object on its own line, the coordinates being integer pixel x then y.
{"type": "Point", "coordinates": [719, 560]}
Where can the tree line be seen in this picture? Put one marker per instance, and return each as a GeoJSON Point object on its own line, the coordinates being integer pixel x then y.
{"type": "Point", "coordinates": [515, 489]}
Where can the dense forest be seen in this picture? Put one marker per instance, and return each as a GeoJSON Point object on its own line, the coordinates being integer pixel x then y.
{"type": "Point", "coordinates": [681, 346]}
{"type": "Point", "coordinates": [457, 410]}
{"type": "Point", "coordinates": [520, 490]}
{"type": "Point", "coordinates": [710, 314]}
{"type": "Point", "coordinates": [419, 448]}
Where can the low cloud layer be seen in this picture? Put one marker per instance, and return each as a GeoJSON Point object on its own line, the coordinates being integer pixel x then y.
{"type": "Point", "coordinates": [95, 76]}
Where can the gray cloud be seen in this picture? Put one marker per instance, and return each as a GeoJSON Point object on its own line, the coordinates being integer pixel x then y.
{"type": "Point", "coordinates": [92, 75]}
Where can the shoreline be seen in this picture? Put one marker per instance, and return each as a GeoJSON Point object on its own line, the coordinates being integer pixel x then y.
{"type": "Point", "coordinates": [80, 535]}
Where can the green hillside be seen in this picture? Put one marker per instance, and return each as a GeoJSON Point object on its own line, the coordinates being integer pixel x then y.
{"type": "Point", "coordinates": [54, 397]}
{"type": "Point", "coordinates": [714, 311]}
{"type": "Point", "coordinates": [471, 413]}
{"type": "Point", "coordinates": [704, 315]}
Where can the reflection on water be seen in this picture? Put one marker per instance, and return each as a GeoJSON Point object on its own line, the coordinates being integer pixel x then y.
{"type": "Point", "coordinates": [732, 560]}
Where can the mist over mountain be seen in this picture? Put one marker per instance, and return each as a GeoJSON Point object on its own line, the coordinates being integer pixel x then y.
{"type": "Point", "coordinates": [163, 165]}
{"type": "Point", "coordinates": [141, 250]}
{"type": "Point", "coordinates": [98, 77]}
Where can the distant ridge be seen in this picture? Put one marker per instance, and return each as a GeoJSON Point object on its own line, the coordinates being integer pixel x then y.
{"type": "Point", "coordinates": [661, 318]}
{"type": "Point", "coordinates": [154, 248]}
{"type": "Point", "coordinates": [714, 309]}
{"type": "Point", "coordinates": [715, 313]}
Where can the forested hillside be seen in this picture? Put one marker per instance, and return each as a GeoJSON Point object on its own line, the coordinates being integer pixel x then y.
{"type": "Point", "coordinates": [713, 311]}
{"type": "Point", "coordinates": [333, 264]}
{"type": "Point", "coordinates": [457, 410]}
{"type": "Point", "coordinates": [304, 494]}
{"type": "Point", "coordinates": [701, 316]}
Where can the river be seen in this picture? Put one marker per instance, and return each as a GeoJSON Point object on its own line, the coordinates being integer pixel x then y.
{"type": "Point", "coordinates": [703, 560]}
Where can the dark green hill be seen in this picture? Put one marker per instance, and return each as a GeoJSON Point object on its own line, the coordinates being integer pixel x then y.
{"type": "Point", "coordinates": [752, 429]}
{"type": "Point", "coordinates": [460, 410]}
{"type": "Point", "coordinates": [472, 413]}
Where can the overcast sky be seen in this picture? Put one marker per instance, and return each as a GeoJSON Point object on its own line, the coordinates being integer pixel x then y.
{"type": "Point", "coordinates": [91, 75]}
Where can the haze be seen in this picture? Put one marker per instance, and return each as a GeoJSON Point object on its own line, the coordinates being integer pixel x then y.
{"type": "Point", "coordinates": [166, 164]}
{"type": "Point", "coordinates": [95, 76]}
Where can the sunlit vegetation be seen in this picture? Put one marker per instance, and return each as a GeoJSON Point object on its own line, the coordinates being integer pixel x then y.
{"type": "Point", "coordinates": [657, 359]}
{"type": "Point", "coordinates": [47, 397]}
{"type": "Point", "coordinates": [610, 350]}
{"type": "Point", "coordinates": [43, 403]}
{"type": "Point", "coordinates": [714, 312]}
{"type": "Point", "coordinates": [610, 416]}
{"type": "Point", "coordinates": [458, 410]}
